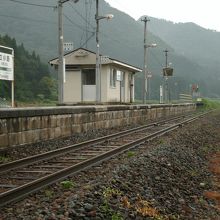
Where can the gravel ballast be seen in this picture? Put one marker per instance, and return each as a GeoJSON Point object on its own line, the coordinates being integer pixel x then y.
{"type": "Point", "coordinates": [167, 178]}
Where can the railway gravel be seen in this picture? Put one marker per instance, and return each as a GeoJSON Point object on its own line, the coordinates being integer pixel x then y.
{"type": "Point", "coordinates": [167, 178]}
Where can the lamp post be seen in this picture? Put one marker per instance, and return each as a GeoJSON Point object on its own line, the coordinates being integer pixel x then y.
{"type": "Point", "coordinates": [145, 20]}
{"type": "Point", "coordinates": [145, 89]}
{"type": "Point", "coordinates": [98, 75]}
{"type": "Point", "coordinates": [61, 62]}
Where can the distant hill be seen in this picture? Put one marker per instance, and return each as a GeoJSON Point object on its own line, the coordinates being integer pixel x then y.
{"type": "Point", "coordinates": [198, 44]}
{"type": "Point", "coordinates": [120, 38]}
{"type": "Point", "coordinates": [188, 39]}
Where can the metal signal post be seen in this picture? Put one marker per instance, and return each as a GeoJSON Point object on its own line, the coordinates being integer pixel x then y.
{"type": "Point", "coordinates": [145, 20]}
{"type": "Point", "coordinates": [166, 99]}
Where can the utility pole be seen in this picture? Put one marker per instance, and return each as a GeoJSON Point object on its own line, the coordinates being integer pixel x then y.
{"type": "Point", "coordinates": [145, 20]}
{"type": "Point", "coordinates": [98, 74]}
{"type": "Point", "coordinates": [166, 56]}
{"type": "Point", "coordinates": [166, 77]}
{"type": "Point", "coordinates": [61, 53]}
{"type": "Point", "coordinates": [61, 62]}
{"type": "Point", "coordinates": [98, 83]}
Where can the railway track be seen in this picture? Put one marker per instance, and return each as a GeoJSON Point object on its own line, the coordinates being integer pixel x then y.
{"type": "Point", "coordinates": [22, 177]}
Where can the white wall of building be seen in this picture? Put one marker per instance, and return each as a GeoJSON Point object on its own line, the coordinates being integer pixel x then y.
{"type": "Point", "coordinates": [104, 82]}
{"type": "Point", "coordinates": [113, 93]}
{"type": "Point", "coordinates": [72, 87]}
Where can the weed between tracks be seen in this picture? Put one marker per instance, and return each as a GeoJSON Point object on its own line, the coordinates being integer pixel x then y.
{"type": "Point", "coordinates": [67, 184]}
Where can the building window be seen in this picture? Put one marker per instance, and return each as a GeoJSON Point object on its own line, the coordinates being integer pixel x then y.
{"type": "Point", "coordinates": [113, 76]}
{"type": "Point", "coordinates": [88, 76]}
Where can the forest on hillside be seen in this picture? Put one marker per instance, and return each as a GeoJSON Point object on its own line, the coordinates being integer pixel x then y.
{"type": "Point", "coordinates": [32, 77]}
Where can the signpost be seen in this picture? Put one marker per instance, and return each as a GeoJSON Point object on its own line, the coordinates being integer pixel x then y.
{"type": "Point", "coordinates": [7, 68]}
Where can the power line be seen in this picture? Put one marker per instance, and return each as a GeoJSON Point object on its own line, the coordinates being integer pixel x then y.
{"type": "Point", "coordinates": [80, 15]}
{"type": "Point", "coordinates": [70, 3]}
{"type": "Point", "coordinates": [156, 58]}
{"type": "Point", "coordinates": [86, 25]}
{"type": "Point", "coordinates": [35, 20]}
{"type": "Point", "coordinates": [90, 10]}
{"type": "Point", "coordinates": [85, 19]}
{"type": "Point", "coordinates": [28, 19]}
{"type": "Point", "coordinates": [33, 4]}
{"type": "Point", "coordinates": [86, 9]}
{"type": "Point", "coordinates": [80, 27]}
{"type": "Point", "coordinates": [115, 40]}
{"type": "Point", "coordinates": [88, 39]}
{"type": "Point", "coordinates": [93, 26]}
{"type": "Point", "coordinates": [72, 22]}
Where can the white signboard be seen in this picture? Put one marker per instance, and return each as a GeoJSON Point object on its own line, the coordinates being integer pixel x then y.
{"type": "Point", "coordinates": [68, 46]}
{"type": "Point", "coordinates": [6, 66]}
{"type": "Point", "coordinates": [161, 94]}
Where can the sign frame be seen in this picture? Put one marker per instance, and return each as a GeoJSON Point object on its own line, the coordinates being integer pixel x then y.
{"type": "Point", "coordinates": [167, 71]}
{"type": "Point", "coordinates": [5, 63]}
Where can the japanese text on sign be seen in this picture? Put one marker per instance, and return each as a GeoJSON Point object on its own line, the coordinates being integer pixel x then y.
{"type": "Point", "coordinates": [6, 66]}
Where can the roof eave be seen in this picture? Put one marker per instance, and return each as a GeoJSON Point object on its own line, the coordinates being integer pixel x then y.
{"type": "Point", "coordinates": [132, 68]}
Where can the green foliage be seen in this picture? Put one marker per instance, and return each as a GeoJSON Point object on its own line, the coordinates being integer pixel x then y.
{"type": "Point", "coordinates": [117, 216]}
{"type": "Point", "coordinates": [67, 184]}
{"type": "Point", "coordinates": [106, 208]}
{"type": "Point", "coordinates": [161, 141]}
{"type": "Point", "coordinates": [108, 211]}
{"type": "Point", "coordinates": [4, 159]}
{"type": "Point", "coordinates": [130, 154]}
{"type": "Point", "coordinates": [48, 88]}
{"type": "Point", "coordinates": [49, 193]}
{"type": "Point", "coordinates": [108, 194]}
{"type": "Point", "coordinates": [211, 104]}
{"type": "Point", "coordinates": [32, 78]}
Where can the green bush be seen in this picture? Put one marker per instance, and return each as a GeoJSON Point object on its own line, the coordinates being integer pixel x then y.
{"type": "Point", "coordinates": [211, 103]}
{"type": "Point", "coordinates": [67, 184]}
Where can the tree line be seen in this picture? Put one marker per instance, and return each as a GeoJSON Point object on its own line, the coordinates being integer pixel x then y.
{"type": "Point", "coordinates": [33, 80]}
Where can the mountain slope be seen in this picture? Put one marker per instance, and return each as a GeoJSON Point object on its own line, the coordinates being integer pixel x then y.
{"type": "Point", "coordinates": [120, 38]}
{"type": "Point", "coordinates": [196, 43]}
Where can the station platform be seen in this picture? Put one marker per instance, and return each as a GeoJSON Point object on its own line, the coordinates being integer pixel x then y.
{"type": "Point", "coordinates": [20, 126]}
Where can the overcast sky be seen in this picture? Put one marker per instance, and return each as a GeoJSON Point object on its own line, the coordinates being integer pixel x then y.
{"type": "Point", "coordinates": [205, 13]}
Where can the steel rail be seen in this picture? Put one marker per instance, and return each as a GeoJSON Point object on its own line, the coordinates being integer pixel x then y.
{"type": "Point", "coordinates": [50, 154]}
{"type": "Point", "coordinates": [24, 190]}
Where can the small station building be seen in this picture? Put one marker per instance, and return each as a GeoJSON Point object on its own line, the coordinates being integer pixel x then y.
{"type": "Point", "coordinates": [117, 78]}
